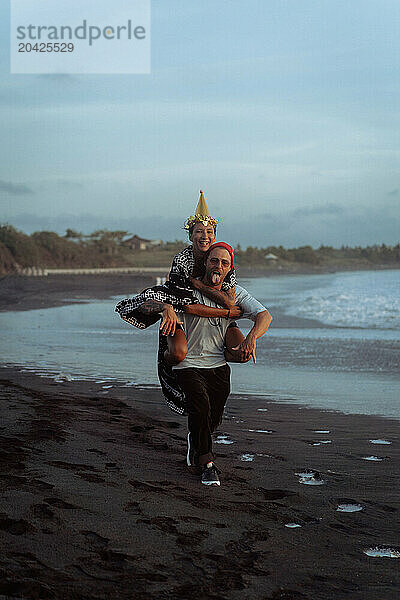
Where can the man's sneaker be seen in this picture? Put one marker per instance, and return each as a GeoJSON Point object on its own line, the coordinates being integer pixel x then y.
{"type": "Point", "coordinates": [210, 475]}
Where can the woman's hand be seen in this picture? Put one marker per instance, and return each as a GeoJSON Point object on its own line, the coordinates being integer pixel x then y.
{"type": "Point", "coordinates": [170, 320]}
{"type": "Point", "coordinates": [196, 283]}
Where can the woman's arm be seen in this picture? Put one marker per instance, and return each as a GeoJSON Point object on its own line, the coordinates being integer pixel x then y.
{"type": "Point", "coordinates": [221, 297]}
{"type": "Point", "coordinates": [171, 320]}
{"type": "Point", "coordinates": [202, 310]}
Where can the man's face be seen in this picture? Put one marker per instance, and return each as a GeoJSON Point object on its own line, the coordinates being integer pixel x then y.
{"type": "Point", "coordinates": [218, 265]}
{"type": "Point", "coordinates": [202, 237]}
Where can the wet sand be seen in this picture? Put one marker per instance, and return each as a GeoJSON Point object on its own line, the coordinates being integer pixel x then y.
{"type": "Point", "coordinates": [97, 502]}
{"type": "Point", "coordinates": [28, 293]}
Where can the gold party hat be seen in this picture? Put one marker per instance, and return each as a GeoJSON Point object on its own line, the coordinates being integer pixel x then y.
{"type": "Point", "coordinates": [202, 215]}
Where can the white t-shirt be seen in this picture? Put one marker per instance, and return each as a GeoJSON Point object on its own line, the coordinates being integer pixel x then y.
{"type": "Point", "coordinates": [205, 335]}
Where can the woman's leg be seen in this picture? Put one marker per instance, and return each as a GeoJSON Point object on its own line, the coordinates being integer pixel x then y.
{"type": "Point", "coordinates": [177, 347]}
{"type": "Point", "coordinates": [233, 338]}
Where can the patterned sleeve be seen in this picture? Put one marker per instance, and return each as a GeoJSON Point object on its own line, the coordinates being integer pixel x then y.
{"type": "Point", "coordinates": [179, 276]}
{"type": "Point", "coordinates": [230, 280]}
{"type": "Point", "coordinates": [180, 269]}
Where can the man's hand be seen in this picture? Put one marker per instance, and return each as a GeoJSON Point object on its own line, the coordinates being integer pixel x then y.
{"type": "Point", "coordinates": [170, 320]}
{"type": "Point", "coordinates": [235, 312]}
{"type": "Point", "coordinates": [247, 348]}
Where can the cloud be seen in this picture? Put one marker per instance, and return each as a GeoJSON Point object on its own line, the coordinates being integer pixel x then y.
{"type": "Point", "coordinates": [353, 227]}
{"type": "Point", "coordinates": [15, 189]}
{"type": "Point", "coordinates": [324, 209]}
{"type": "Point", "coordinates": [394, 192]}
{"type": "Point", "coordinates": [69, 185]}
{"type": "Point", "coordinates": [58, 77]}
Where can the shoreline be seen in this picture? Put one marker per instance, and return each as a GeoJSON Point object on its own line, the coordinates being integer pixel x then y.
{"type": "Point", "coordinates": [242, 270]}
{"type": "Point", "coordinates": [22, 292]}
{"type": "Point", "coordinates": [98, 502]}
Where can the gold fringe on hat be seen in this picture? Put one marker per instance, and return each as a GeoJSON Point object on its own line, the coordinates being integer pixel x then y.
{"type": "Point", "coordinates": [202, 215]}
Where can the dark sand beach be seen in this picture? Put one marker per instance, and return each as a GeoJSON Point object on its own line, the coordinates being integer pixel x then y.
{"type": "Point", "coordinates": [27, 293]}
{"type": "Point", "coordinates": [97, 503]}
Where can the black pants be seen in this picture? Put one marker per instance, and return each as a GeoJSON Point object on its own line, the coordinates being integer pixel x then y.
{"type": "Point", "coordinates": [206, 392]}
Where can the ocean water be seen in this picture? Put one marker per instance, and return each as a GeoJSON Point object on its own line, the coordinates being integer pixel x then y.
{"type": "Point", "coordinates": [334, 342]}
{"type": "Point", "coordinates": [364, 299]}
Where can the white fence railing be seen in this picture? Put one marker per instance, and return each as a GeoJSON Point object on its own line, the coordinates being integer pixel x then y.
{"type": "Point", "coordinates": [38, 272]}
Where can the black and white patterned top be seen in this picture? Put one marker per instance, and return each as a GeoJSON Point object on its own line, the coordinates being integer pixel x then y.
{"type": "Point", "coordinates": [178, 292]}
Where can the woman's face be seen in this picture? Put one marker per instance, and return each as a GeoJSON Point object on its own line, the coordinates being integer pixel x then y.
{"type": "Point", "coordinates": [202, 237]}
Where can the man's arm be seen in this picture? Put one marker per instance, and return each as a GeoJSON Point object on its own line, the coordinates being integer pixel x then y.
{"type": "Point", "coordinates": [221, 297]}
{"type": "Point", "coordinates": [247, 347]}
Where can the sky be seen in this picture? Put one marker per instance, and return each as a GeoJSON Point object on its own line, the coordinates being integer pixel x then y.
{"type": "Point", "coordinates": [284, 112]}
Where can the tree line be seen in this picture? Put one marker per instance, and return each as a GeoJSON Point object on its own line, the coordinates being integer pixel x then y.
{"type": "Point", "coordinates": [103, 248]}
{"type": "Point", "coordinates": [376, 254]}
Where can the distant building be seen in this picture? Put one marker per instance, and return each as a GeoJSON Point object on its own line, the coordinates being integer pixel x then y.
{"type": "Point", "coordinates": [138, 243]}
{"type": "Point", "coordinates": [271, 256]}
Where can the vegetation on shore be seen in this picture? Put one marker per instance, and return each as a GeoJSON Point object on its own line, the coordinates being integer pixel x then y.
{"type": "Point", "coordinates": [103, 248]}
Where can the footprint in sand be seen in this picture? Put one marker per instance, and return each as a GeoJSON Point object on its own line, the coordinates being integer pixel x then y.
{"type": "Point", "coordinates": [42, 511]}
{"type": "Point", "coordinates": [247, 457]}
{"type": "Point", "coordinates": [95, 539]}
{"type": "Point", "coordinates": [382, 552]}
{"type": "Point", "coordinates": [261, 430]}
{"type": "Point", "coordinates": [349, 507]}
{"type": "Point", "coordinates": [59, 503]}
{"type": "Point", "coordinates": [320, 442]}
{"type": "Point", "coordinates": [111, 466]}
{"type": "Point", "coordinates": [223, 439]}
{"type": "Point", "coordinates": [15, 526]}
{"type": "Point", "coordinates": [309, 477]}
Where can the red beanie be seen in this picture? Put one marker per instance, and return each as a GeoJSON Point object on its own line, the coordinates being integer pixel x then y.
{"type": "Point", "coordinates": [226, 247]}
